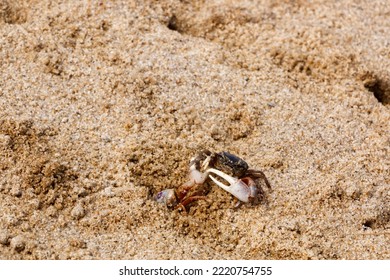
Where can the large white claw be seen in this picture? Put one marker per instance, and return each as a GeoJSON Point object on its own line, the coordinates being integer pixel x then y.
{"type": "Point", "coordinates": [237, 187]}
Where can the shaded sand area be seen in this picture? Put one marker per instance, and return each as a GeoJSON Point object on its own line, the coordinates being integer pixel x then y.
{"type": "Point", "coordinates": [103, 103]}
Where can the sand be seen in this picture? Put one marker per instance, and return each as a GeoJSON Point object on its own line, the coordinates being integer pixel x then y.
{"type": "Point", "coordinates": [103, 103]}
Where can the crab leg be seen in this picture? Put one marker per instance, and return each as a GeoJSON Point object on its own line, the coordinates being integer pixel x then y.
{"type": "Point", "coordinates": [258, 174]}
{"type": "Point", "coordinates": [189, 200]}
{"type": "Point", "coordinates": [237, 187]}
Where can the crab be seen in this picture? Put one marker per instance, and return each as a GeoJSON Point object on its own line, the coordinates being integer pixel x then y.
{"type": "Point", "coordinates": [232, 169]}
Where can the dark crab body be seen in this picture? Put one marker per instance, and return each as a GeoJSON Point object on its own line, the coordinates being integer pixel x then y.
{"type": "Point", "coordinates": [230, 164]}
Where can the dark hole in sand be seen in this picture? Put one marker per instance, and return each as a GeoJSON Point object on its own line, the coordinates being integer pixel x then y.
{"type": "Point", "coordinates": [368, 224]}
{"type": "Point", "coordinates": [172, 23]}
{"type": "Point", "coordinates": [380, 89]}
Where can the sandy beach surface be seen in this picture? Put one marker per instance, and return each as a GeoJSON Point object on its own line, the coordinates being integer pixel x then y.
{"type": "Point", "coordinates": [103, 104]}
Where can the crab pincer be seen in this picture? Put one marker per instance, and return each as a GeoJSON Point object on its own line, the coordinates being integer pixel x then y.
{"type": "Point", "coordinates": [244, 189]}
{"type": "Point", "coordinates": [187, 193]}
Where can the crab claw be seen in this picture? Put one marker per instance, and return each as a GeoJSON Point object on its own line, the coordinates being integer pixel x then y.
{"type": "Point", "coordinates": [166, 197]}
{"type": "Point", "coordinates": [243, 189]}
{"type": "Point", "coordinates": [196, 177]}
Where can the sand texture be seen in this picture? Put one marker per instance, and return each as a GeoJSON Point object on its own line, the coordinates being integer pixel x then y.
{"type": "Point", "coordinates": [103, 103]}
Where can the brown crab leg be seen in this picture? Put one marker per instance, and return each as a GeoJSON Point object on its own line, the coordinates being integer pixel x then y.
{"type": "Point", "coordinates": [187, 201]}
{"type": "Point", "coordinates": [258, 174]}
{"type": "Point", "coordinates": [184, 190]}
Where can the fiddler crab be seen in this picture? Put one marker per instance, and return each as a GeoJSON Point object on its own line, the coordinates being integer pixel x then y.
{"type": "Point", "coordinates": [241, 181]}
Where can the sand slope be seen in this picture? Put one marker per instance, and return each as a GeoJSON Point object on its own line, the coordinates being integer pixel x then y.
{"type": "Point", "coordinates": [103, 103]}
